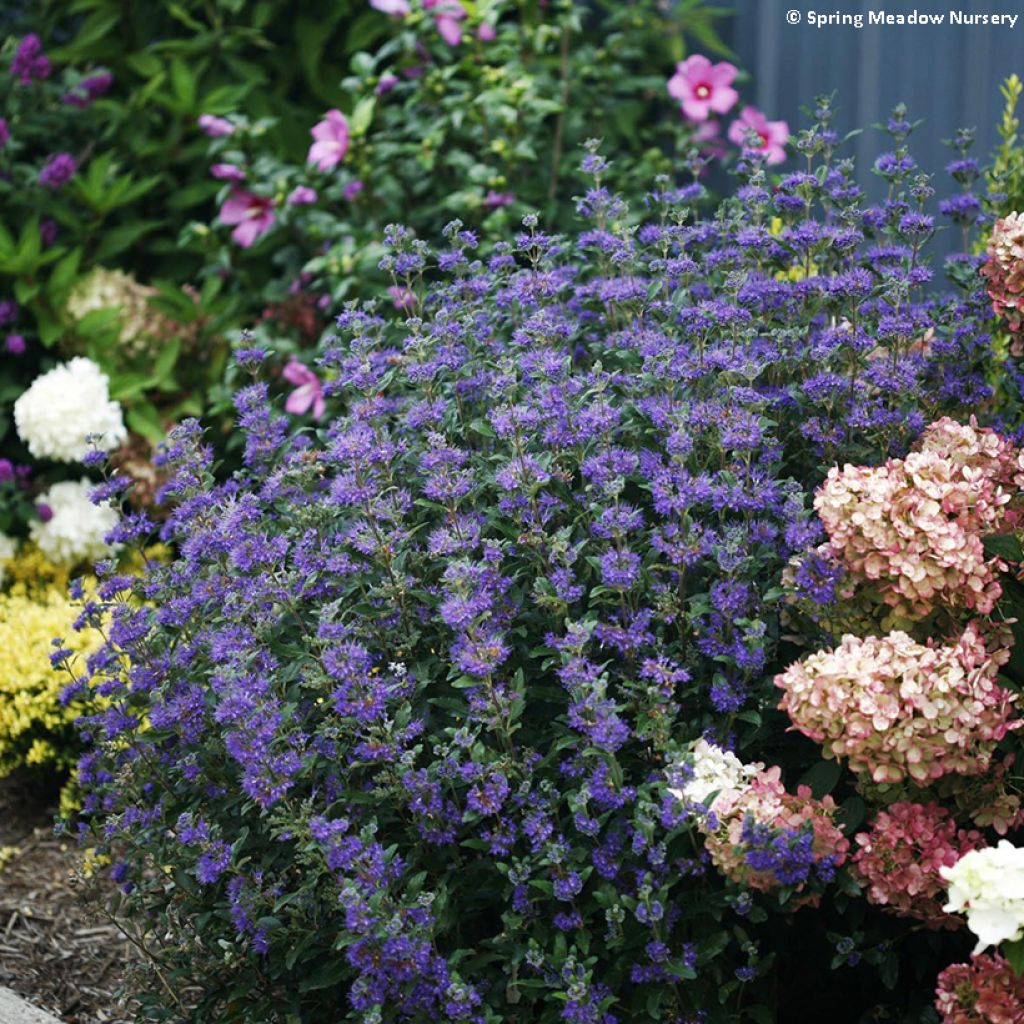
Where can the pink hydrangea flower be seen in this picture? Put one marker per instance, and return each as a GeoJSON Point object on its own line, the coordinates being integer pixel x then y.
{"type": "Point", "coordinates": [899, 857]}
{"type": "Point", "coordinates": [302, 195]}
{"type": "Point", "coordinates": [251, 214]}
{"type": "Point", "coordinates": [766, 801]}
{"type": "Point", "coordinates": [396, 8]}
{"type": "Point", "coordinates": [898, 708]}
{"type": "Point", "coordinates": [703, 88]}
{"type": "Point", "coordinates": [227, 172]}
{"type": "Point", "coordinates": [984, 991]}
{"type": "Point", "coordinates": [308, 393]}
{"type": "Point", "coordinates": [447, 15]}
{"type": "Point", "coordinates": [331, 141]}
{"type": "Point", "coordinates": [771, 136]}
{"type": "Point", "coordinates": [913, 527]}
{"type": "Point", "coordinates": [215, 127]}
{"type": "Point", "coordinates": [1004, 270]}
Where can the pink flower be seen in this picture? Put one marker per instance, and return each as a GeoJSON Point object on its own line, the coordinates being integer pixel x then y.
{"type": "Point", "coordinates": [708, 137]}
{"type": "Point", "coordinates": [253, 215]}
{"type": "Point", "coordinates": [486, 33]}
{"type": "Point", "coordinates": [215, 127]}
{"type": "Point", "coordinates": [703, 88]}
{"type": "Point", "coordinates": [308, 391]}
{"type": "Point", "coordinates": [396, 8]}
{"type": "Point", "coordinates": [302, 195]}
{"type": "Point", "coordinates": [331, 145]}
{"type": "Point", "coordinates": [403, 298]}
{"type": "Point", "coordinates": [771, 135]}
{"type": "Point", "coordinates": [227, 172]}
{"type": "Point", "coordinates": [447, 15]}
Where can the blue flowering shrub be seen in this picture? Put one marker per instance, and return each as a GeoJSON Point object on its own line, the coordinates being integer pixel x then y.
{"type": "Point", "coordinates": [399, 725]}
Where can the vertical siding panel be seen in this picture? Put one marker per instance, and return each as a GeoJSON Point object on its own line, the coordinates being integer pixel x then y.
{"type": "Point", "coordinates": [949, 76]}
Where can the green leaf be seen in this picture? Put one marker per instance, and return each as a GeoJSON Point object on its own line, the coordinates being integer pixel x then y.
{"type": "Point", "coordinates": [1014, 953]}
{"type": "Point", "coordinates": [1005, 545]}
{"type": "Point", "coordinates": [145, 420]}
{"type": "Point", "coordinates": [822, 778]}
{"type": "Point", "coordinates": [363, 115]}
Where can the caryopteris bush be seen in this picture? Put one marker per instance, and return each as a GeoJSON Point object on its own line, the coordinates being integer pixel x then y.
{"type": "Point", "coordinates": [401, 721]}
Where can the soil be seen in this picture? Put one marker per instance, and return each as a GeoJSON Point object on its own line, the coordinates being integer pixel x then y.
{"type": "Point", "coordinates": [56, 949]}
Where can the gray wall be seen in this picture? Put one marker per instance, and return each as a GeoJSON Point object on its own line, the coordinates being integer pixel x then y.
{"type": "Point", "coordinates": [947, 76]}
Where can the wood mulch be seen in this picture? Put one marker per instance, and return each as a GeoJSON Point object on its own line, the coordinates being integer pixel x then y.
{"type": "Point", "coordinates": [56, 949]}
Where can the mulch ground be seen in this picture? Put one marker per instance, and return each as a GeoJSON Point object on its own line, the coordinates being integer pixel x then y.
{"type": "Point", "coordinates": [56, 950]}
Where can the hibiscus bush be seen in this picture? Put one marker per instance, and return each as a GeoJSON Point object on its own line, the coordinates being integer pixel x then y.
{"type": "Point", "coordinates": [468, 111]}
{"type": "Point", "coordinates": [465, 704]}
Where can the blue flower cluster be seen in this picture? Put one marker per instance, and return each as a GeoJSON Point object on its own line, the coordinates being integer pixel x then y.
{"type": "Point", "coordinates": [397, 718]}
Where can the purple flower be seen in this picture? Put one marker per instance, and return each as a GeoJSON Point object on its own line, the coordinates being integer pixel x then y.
{"type": "Point", "coordinates": [5, 132]}
{"type": "Point", "coordinates": [14, 344]}
{"type": "Point", "coordinates": [352, 189]}
{"type": "Point", "coordinates": [492, 200]}
{"type": "Point", "coordinates": [89, 89]}
{"type": "Point", "coordinates": [215, 127]}
{"type": "Point", "coordinates": [58, 171]}
{"type": "Point", "coordinates": [396, 8]}
{"type": "Point", "coordinates": [48, 231]}
{"type": "Point", "coordinates": [8, 312]}
{"type": "Point", "coordinates": [302, 195]}
{"type": "Point", "coordinates": [29, 61]}
{"type": "Point", "coordinates": [227, 172]}
{"type": "Point", "coordinates": [385, 85]}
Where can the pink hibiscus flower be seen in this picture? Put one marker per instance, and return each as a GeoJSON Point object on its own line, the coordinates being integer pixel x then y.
{"type": "Point", "coordinates": [253, 215]}
{"type": "Point", "coordinates": [771, 136]}
{"type": "Point", "coordinates": [703, 88]}
{"type": "Point", "coordinates": [447, 15]}
{"type": "Point", "coordinates": [331, 141]}
{"type": "Point", "coordinates": [308, 393]}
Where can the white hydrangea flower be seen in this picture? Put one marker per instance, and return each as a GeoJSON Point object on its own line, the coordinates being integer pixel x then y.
{"type": "Point", "coordinates": [715, 771]}
{"type": "Point", "coordinates": [62, 407]}
{"type": "Point", "coordinates": [988, 885]}
{"type": "Point", "coordinates": [8, 549]}
{"type": "Point", "coordinates": [74, 532]}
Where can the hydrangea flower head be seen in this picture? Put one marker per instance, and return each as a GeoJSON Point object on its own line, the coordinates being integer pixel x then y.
{"type": "Point", "coordinates": [985, 991]}
{"type": "Point", "coordinates": [988, 886]}
{"type": "Point", "coordinates": [899, 858]}
{"type": "Point", "coordinates": [703, 88]}
{"type": "Point", "coordinates": [914, 527]}
{"type": "Point", "coordinates": [898, 708]}
{"type": "Point", "coordinates": [1004, 270]}
{"type": "Point", "coordinates": [65, 406]}
{"type": "Point", "coordinates": [75, 530]}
